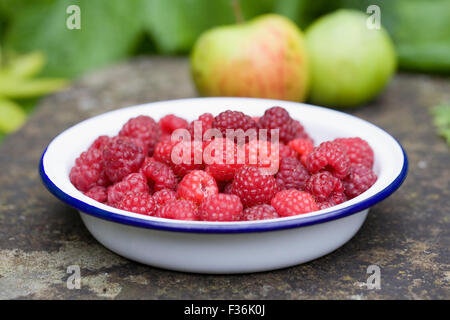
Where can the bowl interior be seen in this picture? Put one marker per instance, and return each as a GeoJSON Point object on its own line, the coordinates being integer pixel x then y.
{"type": "Point", "coordinates": [321, 123]}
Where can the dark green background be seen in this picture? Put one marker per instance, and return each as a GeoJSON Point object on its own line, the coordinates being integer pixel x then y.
{"type": "Point", "coordinates": [112, 30]}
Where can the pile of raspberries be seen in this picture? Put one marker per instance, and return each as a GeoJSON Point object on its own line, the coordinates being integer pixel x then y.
{"type": "Point", "coordinates": [133, 171]}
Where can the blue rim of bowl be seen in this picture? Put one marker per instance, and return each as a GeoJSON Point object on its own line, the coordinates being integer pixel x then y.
{"type": "Point", "coordinates": [236, 227]}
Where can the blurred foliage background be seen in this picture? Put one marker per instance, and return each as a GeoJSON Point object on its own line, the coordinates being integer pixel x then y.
{"type": "Point", "coordinates": [115, 29]}
{"type": "Point", "coordinates": [112, 30]}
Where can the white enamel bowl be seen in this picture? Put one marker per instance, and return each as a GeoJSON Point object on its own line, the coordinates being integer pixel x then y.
{"type": "Point", "coordinates": [224, 247]}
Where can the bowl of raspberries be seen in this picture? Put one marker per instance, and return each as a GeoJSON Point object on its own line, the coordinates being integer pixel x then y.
{"type": "Point", "coordinates": [223, 185]}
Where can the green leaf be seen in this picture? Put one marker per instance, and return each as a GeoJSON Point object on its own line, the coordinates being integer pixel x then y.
{"type": "Point", "coordinates": [24, 66]}
{"type": "Point", "coordinates": [303, 12]}
{"type": "Point", "coordinates": [17, 88]}
{"type": "Point", "coordinates": [109, 31]}
{"type": "Point", "coordinates": [420, 30]}
{"type": "Point", "coordinates": [441, 119]}
{"type": "Point", "coordinates": [11, 116]}
{"type": "Point", "coordinates": [175, 25]}
{"type": "Point", "coordinates": [422, 34]}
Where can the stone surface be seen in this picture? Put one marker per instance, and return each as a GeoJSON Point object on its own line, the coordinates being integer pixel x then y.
{"type": "Point", "coordinates": [407, 235]}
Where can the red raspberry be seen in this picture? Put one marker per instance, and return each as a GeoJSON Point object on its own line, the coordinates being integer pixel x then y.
{"type": "Point", "coordinates": [144, 128]}
{"type": "Point", "coordinates": [121, 157]}
{"type": "Point", "coordinates": [260, 212]}
{"type": "Point", "coordinates": [189, 163]}
{"type": "Point", "coordinates": [233, 120]}
{"type": "Point", "coordinates": [100, 143]}
{"type": "Point", "coordinates": [358, 150]}
{"type": "Point", "coordinates": [327, 189]}
{"type": "Point", "coordinates": [286, 151]}
{"type": "Point", "coordinates": [328, 156]}
{"type": "Point", "coordinates": [220, 157]}
{"type": "Point", "coordinates": [220, 207]}
{"type": "Point", "coordinates": [161, 197]}
{"type": "Point", "coordinates": [134, 182]}
{"type": "Point", "coordinates": [298, 132]}
{"type": "Point", "coordinates": [89, 171]}
{"type": "Point", "coordinates": [206, 121]}
{"type": "Point", "coordinates": [292, 174]}
{"type": "Point", "coordinates": [302, 147]}
{"type": "Point", "coordinates": [279, 118]}
{"type": "Point", "coordinates": [163, 151]}
{"type": "Point", "coordinates": [167, 151]}
{"type": "Point", "coordinates": [360, 179]}
{"type": "Point", "coordinates": [159, 175]}
{"type": "Point", "coordinates": [253, 187]}
{"type": "Point", "coordinates": [138, 202]}
{"type": "Point", "coordinates": [197, 185]}
{"type": "Point", "coordinates": [262, 154]}
{"type": "Point", "coordinates": [171, 122]}
{"type": "Point", "coordinates": [179, 210]}
{"type": "Point", "coordinates": [335, 199]}
{"type": "Point", "coordinates": [97, 193]}
{"type": "Point", "coordinates": [293, 202]}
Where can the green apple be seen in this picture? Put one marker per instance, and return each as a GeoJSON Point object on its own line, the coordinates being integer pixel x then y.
{"type": "Point", "coordinates": [265, 58]}
{"type": "Point", "coordinates": [350, 62]}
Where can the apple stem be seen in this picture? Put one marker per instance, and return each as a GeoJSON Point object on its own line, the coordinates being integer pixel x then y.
{"type": "Point", "coordinates": [237, 11]}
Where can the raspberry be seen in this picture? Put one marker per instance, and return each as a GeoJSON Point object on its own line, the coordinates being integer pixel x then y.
{"type": "Point", "coordinates": [197, 185]}
{"type": "Point", "coordinates": [89, 171]}
{"type": "Point", "coordinates": [292, 174]}
{"type": "Point", "coordinates": [97, 193]}
{"type": "Point", "coordinates": [302, 147]}
{"type": "Point", "coordinates": [137, 142]}
{"type": "Point", "coordinates": [144, 128]}
{"type": "Point", "coordinates": [328, 156]}
{"type": "Point", "coordinates": [326, 189]}
{"type": "Point", "coordinates": [171, 122]}
{"type": "Point", "coordinates": [233, 120]}
{"type": "Point", "coordinates": [360, 179]}
{"type": "Point", "coordinates": [220, 157]}
{"type": "Point", "coordinates": [278, 118]}
{"type": "Point", "coordinates": [220, 207]}
{"type": "Point", "coordinates": [297, 130]}
{"type": "Point", "coordinates": [206, 120]}
{"type": "Point", "coordinates": [138, 202]}
{"type": "Point", "coordinates": [159, 175]}
{"type": "Point", "coordinates": [293, 202]}
{"type": "Point", "coordinates": [122, 156]}
{"type": "Point", "coordinates": [178, 209]}
{"type": "Point", "coordinates": [335, 199]}
{"type": "Point", "coordinates": [262, 154]}
{"type": "Point", "coordinates": [286, 151]}
{"type": "Point", "coordinates": [358, 150]}
{"type": "Point", "coordinates": [253, 187]}
{"type": "Point", "coordinates": [167, 150]}
{"type": "Point", "coordinates": [134, 182]}
{"type": "Point", "coordinates": [163, 151]}
{"type": "Point", "coordinates": [260, 212]}
{"type": "Point", "coordinates": [100, 143]}
{"type": "Point", "coordinates": [189, 163]}
{"type": "Point", "coordinates": [163, 196]}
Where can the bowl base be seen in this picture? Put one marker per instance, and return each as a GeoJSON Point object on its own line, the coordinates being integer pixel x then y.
{"type": "Point", "coordinates": [224, 253]}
